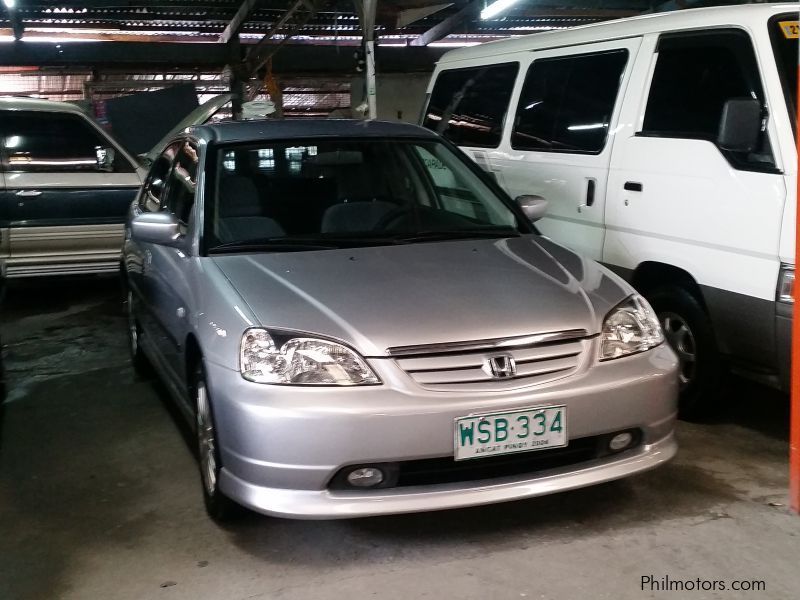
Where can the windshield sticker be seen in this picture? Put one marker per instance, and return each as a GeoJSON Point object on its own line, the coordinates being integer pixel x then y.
{"type": "Point", "coordinates": [790, 29]}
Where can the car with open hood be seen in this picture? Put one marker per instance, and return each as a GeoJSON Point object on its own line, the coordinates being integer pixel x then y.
{"type": "Point", "coordinates": [358, 321]}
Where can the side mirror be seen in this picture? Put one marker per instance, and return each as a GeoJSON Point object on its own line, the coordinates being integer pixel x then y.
{"type": "Point", "coordinates": [144, 160]}
{"type": "Point", "coordinates": [105, 158]}
{"type": "Point", "coordinates": [533, 206]}
{"type": "Point", "coordinates": [740, 125]}
{"type": "Point", "coordinates": [156, 228]}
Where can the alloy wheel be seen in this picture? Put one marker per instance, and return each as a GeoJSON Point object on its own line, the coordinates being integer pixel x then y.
{"type": "Point", "coordinates": [207, 443]}
{"type": "Point", "coordinates": [133, 327]}
{"type": "Point", "coordinates": [681, 338]}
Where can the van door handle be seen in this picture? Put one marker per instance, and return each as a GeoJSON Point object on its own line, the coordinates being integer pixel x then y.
{"type": "Point", "coordinates": [590, 192]}
{"type": "Point", "coordinates": [633, 186]}
{"type": "Point", "coordinates": [29, 193]}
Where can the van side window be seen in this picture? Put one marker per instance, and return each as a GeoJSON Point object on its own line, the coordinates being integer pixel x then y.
{"type": "Point", "coordinates": [467, 106]}
{"type": "Point", "coordinates": [57, 143]}
{"type": "Point", "coordinates": [567, 102]}
{"type": "Point", "coordinates": [695, 74]}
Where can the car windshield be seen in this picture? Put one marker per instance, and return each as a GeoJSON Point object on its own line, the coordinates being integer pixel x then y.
{"type": "Point", "coordinates": [334, 193]}
{"type": "Point", "coordinates": [785, 31]}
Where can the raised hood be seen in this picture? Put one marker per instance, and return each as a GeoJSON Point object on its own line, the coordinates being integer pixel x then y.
{"type": "Point", "coordinates": [381, 297]}
{"type": "Point", "coordinates": [198, 116]}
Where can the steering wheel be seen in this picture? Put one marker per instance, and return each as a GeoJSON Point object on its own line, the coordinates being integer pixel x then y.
{"type": "Point", "coordinates": [391, 218]}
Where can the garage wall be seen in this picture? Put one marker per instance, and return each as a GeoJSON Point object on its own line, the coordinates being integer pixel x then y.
{"type": "Point", "coordinates": [400, 96]}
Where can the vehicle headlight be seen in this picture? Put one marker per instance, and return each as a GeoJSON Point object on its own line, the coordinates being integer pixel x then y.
{"type": "Point", "coordinates": [630, 328]}
{"type": "Point", "coordinates": [294, 359]}
{"type": "Point", "coordinates": [786, 284]}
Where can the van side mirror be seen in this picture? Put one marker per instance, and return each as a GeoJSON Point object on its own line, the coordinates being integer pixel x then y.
{"type": "Point", "coordinates": [533, 206]}
{"type": "Point", "coordinates": [156, 228]}
{"type": "Point", "coordinates": [740, 125]}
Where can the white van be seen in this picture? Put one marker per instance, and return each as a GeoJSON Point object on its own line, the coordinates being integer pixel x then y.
{"type": "Point", "coordinates": [666, 147]}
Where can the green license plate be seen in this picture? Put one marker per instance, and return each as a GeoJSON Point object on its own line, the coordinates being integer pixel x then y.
{"type": "Point", "coordinates": [479, 436]}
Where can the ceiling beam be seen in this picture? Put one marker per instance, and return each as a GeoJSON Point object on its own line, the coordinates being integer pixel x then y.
{"type": "Point", "coordinates": [293, 59]}
{"type": "Point", "coordinates": [292, 21]}
{"type": "Point", "coordinates": [239, 19]}
{"type": "Point", "coordinates": [448, 25]}
{"type": "Point", "coordinates": [411, 15]}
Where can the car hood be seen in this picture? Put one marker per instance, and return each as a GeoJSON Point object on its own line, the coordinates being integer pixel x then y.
{"type": "Point", "coordinates": [377, 298]}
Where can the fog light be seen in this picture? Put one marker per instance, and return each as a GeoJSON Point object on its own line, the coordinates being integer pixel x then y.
{"type": "Point", "coordinates": [365, 477]}
{"type": "Point", "coordinates": [620, 441]}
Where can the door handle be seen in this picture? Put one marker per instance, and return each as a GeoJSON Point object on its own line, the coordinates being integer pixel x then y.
{"type": "Point", "coordinates": [590, 192]}
{"type": "Point", "coordinates": [633, 186]}
{"type": "Point", "coordinates": [28, 193]}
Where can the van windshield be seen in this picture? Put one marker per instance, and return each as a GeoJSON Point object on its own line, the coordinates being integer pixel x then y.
{"type": "Point", "coordinates": [784, 32]}
{"type": "Point", "coordinates": [315, 194]}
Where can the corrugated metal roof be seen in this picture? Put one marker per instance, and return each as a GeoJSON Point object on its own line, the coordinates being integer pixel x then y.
{"type": "Point", "coordinates": [192, 19]}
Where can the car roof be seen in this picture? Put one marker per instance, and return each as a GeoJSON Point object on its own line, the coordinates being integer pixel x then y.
{"type": "Point", "coordinates": [283, 129]}
{"type": "Point", "coordinates": [695, 18]}
{"type": "Point", "coordinates": [24, 103]}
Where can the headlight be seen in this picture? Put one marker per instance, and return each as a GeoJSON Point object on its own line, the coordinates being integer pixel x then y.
{"type": "Point", "coordinates": [786, 284]}
{"type": "Point", "coordinates": [631, 327]}
{"type": "Point", "coordinates": [296, 360]}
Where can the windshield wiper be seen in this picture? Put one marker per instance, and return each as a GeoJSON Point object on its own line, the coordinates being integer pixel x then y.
{"type": "Point", "coordinates": [272, 244]}
{"type": "Point", "coordinates": [456, 234]}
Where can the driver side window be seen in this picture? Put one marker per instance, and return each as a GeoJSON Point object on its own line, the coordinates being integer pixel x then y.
{"type": "Point", "coordinates": [455, 193]}
{"type": "Point", "coordinates": [153, 189]}
{"type": "Point", "coordinates": [450, 192]}
{"type": "Point", "coordinates": [182, 184]}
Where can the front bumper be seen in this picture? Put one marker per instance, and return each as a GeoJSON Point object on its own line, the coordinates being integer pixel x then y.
{"type": "Point", "coordinates": [281, 446]}
{"type": "Point", "coordinates": [325, 504]}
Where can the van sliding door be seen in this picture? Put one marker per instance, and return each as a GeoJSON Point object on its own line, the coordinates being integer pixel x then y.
{"type": "Point", "coordinates": [561, 136]}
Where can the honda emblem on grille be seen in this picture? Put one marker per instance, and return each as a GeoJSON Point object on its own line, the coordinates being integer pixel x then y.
{"type": "Point", "coordinates": [502, 366]}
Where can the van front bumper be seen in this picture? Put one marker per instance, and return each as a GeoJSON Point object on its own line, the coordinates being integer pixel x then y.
{"type": "Point", "coordinates": [281, 446]}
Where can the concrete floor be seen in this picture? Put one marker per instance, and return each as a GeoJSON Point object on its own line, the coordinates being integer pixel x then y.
{"type": "Point", "coordinates": [100, 499]}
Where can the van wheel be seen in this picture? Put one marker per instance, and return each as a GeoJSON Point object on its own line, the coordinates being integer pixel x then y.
{"type": "Point", "coordinates": [218, 506]}
{"type": "Point", "coordinates": [688, 330]}
{"type": "Point", "coordinates": [140, 362]}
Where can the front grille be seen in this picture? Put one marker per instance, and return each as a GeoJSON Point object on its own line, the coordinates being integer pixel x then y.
{"type": "Point", "coordinates": [465, 365]}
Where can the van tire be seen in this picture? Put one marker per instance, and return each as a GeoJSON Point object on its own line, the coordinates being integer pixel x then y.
{"type": "Point", "coordinates": [690, 333]}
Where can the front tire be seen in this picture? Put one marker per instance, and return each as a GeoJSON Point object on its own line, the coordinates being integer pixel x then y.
{"type": "Point", "coordinates": [218, 506]}
{"type": "Point", "coordinates": [140, 362]}
{"type": "Point", "coordinates": [691, 335]}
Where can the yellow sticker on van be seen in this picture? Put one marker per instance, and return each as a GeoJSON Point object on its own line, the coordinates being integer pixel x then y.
{"type": "Point", "coordinates": [791, 29]}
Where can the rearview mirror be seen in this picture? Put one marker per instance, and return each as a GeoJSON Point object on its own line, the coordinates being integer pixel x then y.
{"type": "Point", "coordinates": [156, 228]}
{"type": "Point", "coordinates": [533, 206]}
{"type": "Point", "coordinates": [337, 158]}
{"type": "Point", "coordinates": [740, 125]}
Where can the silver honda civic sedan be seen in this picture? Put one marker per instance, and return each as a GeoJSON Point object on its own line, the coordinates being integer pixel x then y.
{"type": "Point", "coordinates": [358, 321]}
